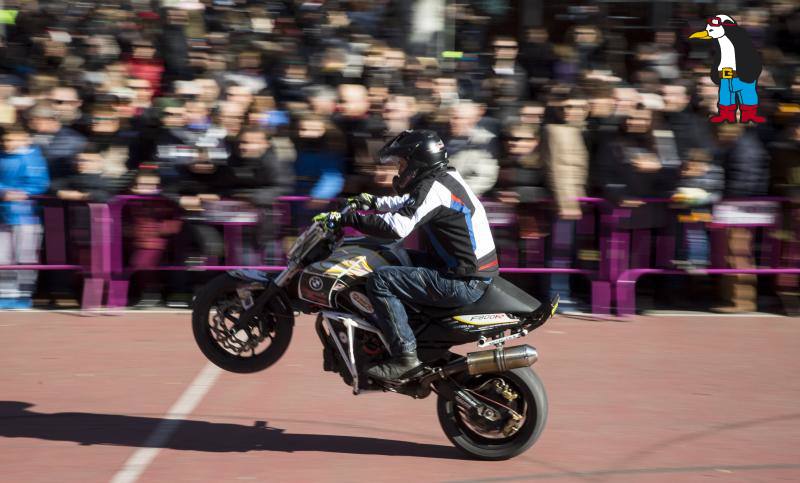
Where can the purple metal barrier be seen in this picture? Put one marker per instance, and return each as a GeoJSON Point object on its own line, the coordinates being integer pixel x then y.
{"type": "Point", "coordinates": [100, 273]}
{"type": "Point", "coordinates": [533, 256]}
{"type": "Point", "coordinates": [118, 275]}
{"type": "Point", "coordinates": [625, 271]}
{"type": "Point", "coordinates": [626, 284]}
{"type": "Point", "coordinates": [614, 248]}
{"type": "Point", "coordinates": [278, 268]}
{"type": "Point", "coordinates": [41, 267]}
{"type": "Point", "coordinates": [118, 279]}
{"type": "Point", "coordinates": [55, 238]}
{"type": "Point", "coordinates": [624, 255]}
{"type": "Point", "coordinates": [54, 235]}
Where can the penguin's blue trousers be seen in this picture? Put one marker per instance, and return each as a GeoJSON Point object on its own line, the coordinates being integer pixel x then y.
{"type": "Point", "coordinates": [729, 89]}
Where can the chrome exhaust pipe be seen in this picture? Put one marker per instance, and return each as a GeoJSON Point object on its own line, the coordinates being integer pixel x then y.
{"type": "Point", "coordinates": [497, 360]}
{"type": "Point", "coordinates": [501, 360]}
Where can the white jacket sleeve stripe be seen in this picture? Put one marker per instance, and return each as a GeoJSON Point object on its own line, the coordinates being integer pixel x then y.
{"type": "Point", "coordinates": [403, 224]}
{"type": "Point", "coordinates": [390, 203]}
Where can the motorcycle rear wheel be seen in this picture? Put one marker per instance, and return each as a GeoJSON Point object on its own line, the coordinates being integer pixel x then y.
{"type": "Point", "coordinates": [278, 328]}
{"type": "Point", "coordinates": [531, 394]}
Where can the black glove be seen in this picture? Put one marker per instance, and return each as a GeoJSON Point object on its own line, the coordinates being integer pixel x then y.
{"type": "Point", "coordinates": [364, 201]}
{"type": "Point", "coordinates": [331, 221]}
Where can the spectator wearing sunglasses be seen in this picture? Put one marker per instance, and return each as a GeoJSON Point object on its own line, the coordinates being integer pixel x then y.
{"type": "Point", "coordinates": [66, 104]}
{"type": "Point", "coordinates": [522, 181]}
{"type": "Point", "coordinates": [113, 139]}
{"type": "Point", "coordinates": [59, 143]}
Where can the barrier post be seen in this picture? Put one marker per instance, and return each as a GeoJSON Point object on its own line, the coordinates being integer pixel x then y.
{"type": "Point", "coordinates": [615, 246]}
{"type": "Point", "coordinates": [641, 248]}
{"type": "Point", "coordinates": [55, 243]}
{"type": "Point", "coordinates": [601, 285]}
{"type": "Point", "coordinates": [100, 270]}
{"type": "Point", "coordinates": [118, 283]}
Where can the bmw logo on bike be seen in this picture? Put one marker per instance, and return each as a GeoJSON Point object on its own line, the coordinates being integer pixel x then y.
{"type": "Point", "coordinates": [315, 283]}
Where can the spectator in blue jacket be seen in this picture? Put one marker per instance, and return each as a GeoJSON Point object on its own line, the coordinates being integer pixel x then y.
{"type": "Point", "coordinates": [320, 157]}
{"type": "Point", "coordinates": [23, 173]}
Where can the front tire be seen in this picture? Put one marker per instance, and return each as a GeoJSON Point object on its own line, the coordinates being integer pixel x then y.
{"type": "Point", "coordinates": [530, 390]}
{"type": "Point", "coordinates": [219, 299]}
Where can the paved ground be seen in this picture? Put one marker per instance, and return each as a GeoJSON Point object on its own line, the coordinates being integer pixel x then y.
{"type": "Point", "coordinates": [85, 399]}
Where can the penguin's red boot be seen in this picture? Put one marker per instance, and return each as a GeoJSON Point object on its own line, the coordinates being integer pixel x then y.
{"type": "Point", "coordinates": [726, 114]}
{"type": "Point", "coordinates": [749, 114]}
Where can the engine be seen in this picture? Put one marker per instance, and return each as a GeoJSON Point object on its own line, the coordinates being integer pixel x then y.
{"type": "Point", "coordinates": [367, 347]}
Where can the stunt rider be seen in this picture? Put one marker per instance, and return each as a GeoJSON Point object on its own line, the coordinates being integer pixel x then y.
{"type": "Point", "coordinates": [435, 198]}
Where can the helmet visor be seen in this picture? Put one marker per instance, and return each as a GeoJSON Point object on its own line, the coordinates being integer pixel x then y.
{"type": "Point", "coordinates": [390, 160]}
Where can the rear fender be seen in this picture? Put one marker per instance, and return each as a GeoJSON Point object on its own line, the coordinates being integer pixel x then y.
{"type": "Point", "coordinates": [543, 314]}
{"type": "Point", "coordinates": [553, 305]}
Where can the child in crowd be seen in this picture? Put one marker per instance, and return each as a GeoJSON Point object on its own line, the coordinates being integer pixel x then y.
{"type": "Point", "coordinates": [88, 182]}
{"type": "Point", "coordinates": [89, 185]}
{"type": "Point", "coordinates": [23, 173]}
{"type": "Point", "coordinates": [700, 186]}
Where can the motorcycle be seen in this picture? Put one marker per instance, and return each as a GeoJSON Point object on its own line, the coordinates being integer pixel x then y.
{"type": "Point", "coordinates": [490, 403]}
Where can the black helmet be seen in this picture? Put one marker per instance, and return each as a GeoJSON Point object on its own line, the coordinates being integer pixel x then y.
{"type": "Point", "coordinates": [424, 153]}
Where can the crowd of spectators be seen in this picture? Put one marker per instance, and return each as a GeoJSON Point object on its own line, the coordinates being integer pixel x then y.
{"type": "Point", "coordinates": [247, 100]}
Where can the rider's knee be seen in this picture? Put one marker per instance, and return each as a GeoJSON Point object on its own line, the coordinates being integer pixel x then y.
{"type": "Point", "coordinates": [379, 281]}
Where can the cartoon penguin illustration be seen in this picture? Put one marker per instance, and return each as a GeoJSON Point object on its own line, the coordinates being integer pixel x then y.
{"type": "Point", "coordinates": [735, 68]}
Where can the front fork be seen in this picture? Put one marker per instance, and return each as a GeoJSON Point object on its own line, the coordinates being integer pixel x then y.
{"type": "Point", "coordinates": [258, 305]}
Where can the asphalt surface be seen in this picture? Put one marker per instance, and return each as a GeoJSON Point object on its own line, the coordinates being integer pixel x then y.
{"type": "Point", "coordinates": [130, 398]}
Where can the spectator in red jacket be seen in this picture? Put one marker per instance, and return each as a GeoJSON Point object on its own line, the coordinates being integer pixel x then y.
{"type": "Point", "coordinates": [143, 64]}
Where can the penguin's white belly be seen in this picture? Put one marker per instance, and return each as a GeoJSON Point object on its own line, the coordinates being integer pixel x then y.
{"type": "Point", "coordinates": [728, 53]}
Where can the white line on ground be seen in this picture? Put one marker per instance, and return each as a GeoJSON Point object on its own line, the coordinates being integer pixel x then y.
{"type": "Point", "coordinates": [183, 407]}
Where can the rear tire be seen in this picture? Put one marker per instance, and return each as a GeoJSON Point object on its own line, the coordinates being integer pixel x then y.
{"type": "Point", "coordinates": [221, 288]}
{"type": "Point", "coordinates": [530, 388]}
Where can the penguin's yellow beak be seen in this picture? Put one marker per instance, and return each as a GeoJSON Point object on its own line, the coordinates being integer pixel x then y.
{"type": "Point", "coordinates": [703, 34]}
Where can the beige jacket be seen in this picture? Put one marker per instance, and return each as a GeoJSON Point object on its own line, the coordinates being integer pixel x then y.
{"type": "Point", "coordinates": [567, 163]}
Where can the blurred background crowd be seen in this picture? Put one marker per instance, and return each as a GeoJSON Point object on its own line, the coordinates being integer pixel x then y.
{"type": "Point", "coordinates": [222, 106]}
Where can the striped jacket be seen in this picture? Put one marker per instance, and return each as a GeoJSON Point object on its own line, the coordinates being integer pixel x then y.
{"type": "Point", "coordinates": [451, 216]}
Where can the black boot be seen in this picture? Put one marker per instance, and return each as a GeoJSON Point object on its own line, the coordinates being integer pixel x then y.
{"type": "Point", "coordinates": [395, 368]}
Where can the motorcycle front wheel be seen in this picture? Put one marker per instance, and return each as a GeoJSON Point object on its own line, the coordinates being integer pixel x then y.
{"type": "Point", "coordinates": [217, 307]}
{"type": "Point", "coordinates": [518, 389]}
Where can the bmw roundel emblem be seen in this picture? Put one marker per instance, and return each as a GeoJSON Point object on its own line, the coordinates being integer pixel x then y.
{"type": "Point", "coordinates": [315, 283]}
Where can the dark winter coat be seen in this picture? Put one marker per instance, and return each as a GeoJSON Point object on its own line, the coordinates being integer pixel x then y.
{"type": "Point", "coordinates": [618, 179]}
{"type": "Point", "coordinates": [712, 181]}
{"type": "Point", "coordinates": [60, 150]}
{"type": "Point", "coordinates": [99, 188]}
{"type": "Point", "coordinates": [691, 131]}
{"type": "Point", "coordinates": [746, 167]}
{"type": "Point", "coordinates": [174, 49]}
{"type": "Point", "coordinates": [261, 180]}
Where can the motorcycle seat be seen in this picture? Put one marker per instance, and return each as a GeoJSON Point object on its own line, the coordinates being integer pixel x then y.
{"type": "Point", "coordinates": [501, 296]}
